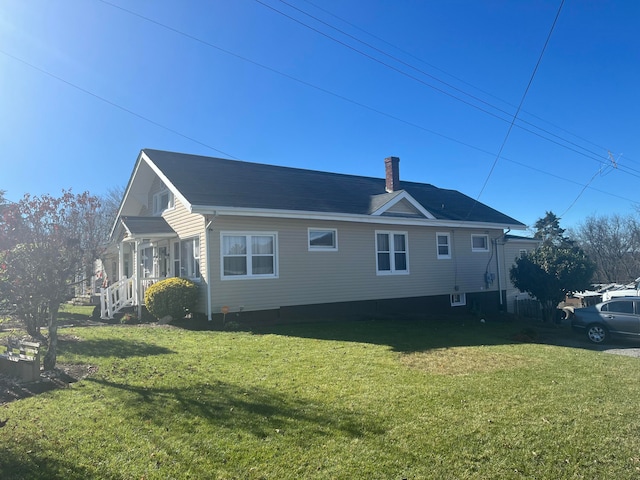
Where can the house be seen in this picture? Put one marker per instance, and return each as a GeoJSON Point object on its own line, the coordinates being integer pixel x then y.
{"type": "Point", "coordinates": [278, 243]}
{"type": "Point", "coordinates": [513, 247]}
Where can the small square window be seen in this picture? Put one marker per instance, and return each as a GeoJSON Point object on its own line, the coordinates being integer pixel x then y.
{"type": "Point", "coordinates": [323, 239]}
{"type": "Point", "coordinates": [458, 299]}
{"type": "Point", "coordinates": [479, 243]}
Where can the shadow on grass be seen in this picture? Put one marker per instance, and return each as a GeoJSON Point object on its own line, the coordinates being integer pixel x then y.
{"type": "Point", "coordinates": [259, 412]}
{"type": "Point", "coordinates": [112, 347]}
{"type": "Point", "coordinates": [35, 466]}
{"type": "Point", "coordinates": [407, 335]}
{"type": "Point", "coordinates": [68, 317]}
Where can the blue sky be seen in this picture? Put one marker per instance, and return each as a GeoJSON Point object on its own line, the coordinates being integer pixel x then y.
{"type": "Point", "coordinates": [334, 85]}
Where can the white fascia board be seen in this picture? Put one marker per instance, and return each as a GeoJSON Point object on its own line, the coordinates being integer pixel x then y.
{"type": "Point", "coordinates": [346, 217]}
{"type": "Point", "coordinates": [124, 197]}
{"type": "Point", "coordinates": [176, 193]}
{"type": "Point", "coordinates": [399, 198]}
{"type": "Point", "coordinates": [149, 236]}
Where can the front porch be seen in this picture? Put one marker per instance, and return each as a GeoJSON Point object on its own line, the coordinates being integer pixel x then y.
{"type": "Point", "coordinates": [143, 258]}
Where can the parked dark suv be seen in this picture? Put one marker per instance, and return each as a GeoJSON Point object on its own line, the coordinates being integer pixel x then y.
{"type": "Point", "coordinates": [618, 316]}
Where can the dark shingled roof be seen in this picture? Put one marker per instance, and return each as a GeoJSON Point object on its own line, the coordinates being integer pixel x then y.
{"type": "Point", "coordinates": [216, 182]}
{"type": "Point", "coordinates": [147, 225]}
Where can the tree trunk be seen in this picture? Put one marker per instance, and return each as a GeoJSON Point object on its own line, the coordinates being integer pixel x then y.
{"type": "Point", "coordinates": [52, 351]}
{"type": "Point", "coordinates": [33, 329]}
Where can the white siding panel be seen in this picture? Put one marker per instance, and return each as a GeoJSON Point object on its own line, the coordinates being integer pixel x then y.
{"type": "Point", "coordinates": [348, 274]}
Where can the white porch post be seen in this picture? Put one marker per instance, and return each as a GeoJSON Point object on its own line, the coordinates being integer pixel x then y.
{"type": "Point", "coordinates": [137, 284]}
{"type": "Point", "coordinates": [120, 261]}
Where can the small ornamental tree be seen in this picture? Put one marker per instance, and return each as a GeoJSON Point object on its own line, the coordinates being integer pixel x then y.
{"type": "Point", "coordinates": [45, 245]}
{"type": "Point", "coordinates": [174, 297]}
{"type": "Point", "coordinates": [553, 270]}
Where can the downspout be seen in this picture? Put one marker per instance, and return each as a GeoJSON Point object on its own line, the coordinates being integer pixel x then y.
{"type": "Point", "coordinates": [208, 266]}
{"type": "Point", "coordinates": [503, 241]}
{"type": "Point", "coordinates": [498, 269]}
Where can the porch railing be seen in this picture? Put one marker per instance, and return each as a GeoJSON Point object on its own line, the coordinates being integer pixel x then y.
{"type": "Point", "coordinates": [117, 296]}
{"type": "Point", "coordinates": [124, 293]}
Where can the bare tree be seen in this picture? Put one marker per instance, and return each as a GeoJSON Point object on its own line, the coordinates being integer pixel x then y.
{"type": "Point", "coordinates": [613, 243]}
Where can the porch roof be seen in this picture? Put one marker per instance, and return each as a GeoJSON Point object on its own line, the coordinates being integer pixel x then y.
{"type": "Point", "coordinates": [156, 227]}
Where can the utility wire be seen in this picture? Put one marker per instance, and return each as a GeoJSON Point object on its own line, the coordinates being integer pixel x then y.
{"type": "Point", "coordinates": [341, 97]}
{"type": "Point", "coordinates": [113, 104]}
{"type": "Point", "coordinates": [454, 140]}
{"type": "Point", "coordinates": [462, 81]}
{"type": "Point", "coordinates": [596, 157]}
{"type": "Point", "coordinates": [600, 160]}
{"type": "Point", "coordinates": [146, 119]}
{"type": "Point", "coordinates": [524, 95]}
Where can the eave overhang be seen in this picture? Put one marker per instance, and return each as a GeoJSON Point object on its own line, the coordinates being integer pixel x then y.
{"type": "Point", "coordinates": [347, 217]}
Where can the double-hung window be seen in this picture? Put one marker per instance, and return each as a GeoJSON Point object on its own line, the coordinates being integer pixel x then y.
{"type": "Point", "coordinates": [443, 244]}
{"type": "Point", "coordinates": [392, 253]}
{"type": "Point", "coordinates": [186, 258]}
{"type": "Point", "coordinates": [249, 255]}
{"type": "Point", "coordinates": [479, 243]}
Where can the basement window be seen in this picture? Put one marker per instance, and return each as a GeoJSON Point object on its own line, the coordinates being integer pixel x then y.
{"type": "Point", "coordinates": [458, 299]}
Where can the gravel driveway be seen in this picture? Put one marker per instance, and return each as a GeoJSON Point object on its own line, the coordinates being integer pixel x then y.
{"type": "Point", "coordinates": [562, 335]}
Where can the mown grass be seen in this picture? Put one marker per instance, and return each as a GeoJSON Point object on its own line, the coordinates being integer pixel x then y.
{"type": "Point", "coordinates": [68, 313]}
{"type": "Point", "coordinates": [375, 399]}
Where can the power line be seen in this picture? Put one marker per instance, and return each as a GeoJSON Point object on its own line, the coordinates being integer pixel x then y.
{"type": "Point", "coordinates": [146, 119]}
{"type": "Point", "coordinates": [328, 92]}
{"type": "Point", "coordinates": [462, 81]}
{"type": "Point", "coordinates": [113, 104]}
{"type": "Point", "coordinates": [568, 144]}
{"type": "Point", "coordinates": [600, 160]}
{"type": "Point", "coordinates": [524, 95]}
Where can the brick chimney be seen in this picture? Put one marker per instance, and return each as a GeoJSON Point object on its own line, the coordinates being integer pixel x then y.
{"type": "Point", "coordinates": [392, 171]}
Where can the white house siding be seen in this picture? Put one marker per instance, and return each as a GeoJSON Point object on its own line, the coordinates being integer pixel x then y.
{"type": "Point", "coordinates": [348, 274]}
{"type": "Point", "coordinates": [189, 225]}
{"type": "Point", "coordinates": [512, 248]}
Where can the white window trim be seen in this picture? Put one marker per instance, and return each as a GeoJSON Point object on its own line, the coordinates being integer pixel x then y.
{"type": "Point", "coordinates": [474, 249]}
{"type": "Point", "coordinates": [156, 202]}
{"type": "Point", "coordinates": [250, 276]}
{"type": "Point", "coordinates": [322, 248]}
{"type": "Point", "coordinates": [392, 259]}
{"type": "Point", "coordinates": [460, 301]}
{"type": "Point", "coordinates": [448, 255]}
{"type": "Point", "coordinates": [178, 259]}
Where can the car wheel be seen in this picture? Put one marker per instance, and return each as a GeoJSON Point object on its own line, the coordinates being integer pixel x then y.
{"type": "Point", "coordinates": [597, 333]}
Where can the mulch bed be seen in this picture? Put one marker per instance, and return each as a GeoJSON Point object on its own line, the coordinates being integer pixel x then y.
{"type": "Point", "coordinates": [63, 376]}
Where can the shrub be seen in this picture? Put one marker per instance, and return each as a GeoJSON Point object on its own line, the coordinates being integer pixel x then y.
{"type": "Point", "coordinates": [174, 297]}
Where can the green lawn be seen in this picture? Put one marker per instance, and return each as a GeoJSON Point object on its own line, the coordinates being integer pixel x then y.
{"type": "Point", "coordinates": [374, 400]}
